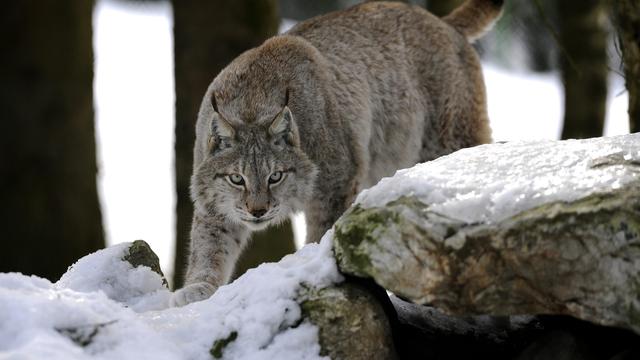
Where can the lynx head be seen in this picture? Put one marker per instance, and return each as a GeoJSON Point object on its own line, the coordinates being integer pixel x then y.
{"type": "Point", "coordinates": [254, 173]}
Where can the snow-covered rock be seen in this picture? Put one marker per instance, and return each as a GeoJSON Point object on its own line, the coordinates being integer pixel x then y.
{"type": "Point", "coordinates": [516, 228]}
{"type": "Point", "coordinates": [106, 308]}
{"type": "Point", "coordinates": [114, 271]}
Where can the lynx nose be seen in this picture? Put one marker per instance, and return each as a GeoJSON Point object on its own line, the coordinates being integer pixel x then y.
{"type": "Point", "coordinates": [258, 212]}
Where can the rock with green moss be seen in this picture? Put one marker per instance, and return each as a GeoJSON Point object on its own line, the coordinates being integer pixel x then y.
{"type": "Point", "coordinates": [141, 254]}
{"type": "Point", "coordinates": [219, 345]}
{"type": "Point", "coordinates": [352, 323]}
{"type": "Point", "coordinates": [506, 229]}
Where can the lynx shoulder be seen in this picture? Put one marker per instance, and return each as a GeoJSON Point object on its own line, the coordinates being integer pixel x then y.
{"type": "Point", "coordinates": [311, 117]}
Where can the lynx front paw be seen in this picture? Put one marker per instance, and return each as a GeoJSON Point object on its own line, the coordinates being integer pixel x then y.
{"type": "Point", "coordinates": [192, 293]}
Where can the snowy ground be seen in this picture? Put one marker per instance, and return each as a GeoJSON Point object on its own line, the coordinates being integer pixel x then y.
{"type": "Point", "coordinates": [103, 308]}
{"type": "Point", "coordinates": [135, 107]}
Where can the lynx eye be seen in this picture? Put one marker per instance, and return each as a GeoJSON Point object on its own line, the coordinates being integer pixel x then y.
{"type": "Point", "coordinates": [275, 177]}
{"type": "Point", "coordinates": [236, 179]}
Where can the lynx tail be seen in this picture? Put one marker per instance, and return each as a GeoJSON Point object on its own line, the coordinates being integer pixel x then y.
{"type": "Point", "coordinates": [475, 17]}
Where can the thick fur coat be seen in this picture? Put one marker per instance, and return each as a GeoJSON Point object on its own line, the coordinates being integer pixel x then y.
{"type": "Point", "coordinates": [311, 117]}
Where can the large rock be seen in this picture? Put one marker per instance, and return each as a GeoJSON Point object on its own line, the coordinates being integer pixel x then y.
{"type": "Point", "coordinates": [351, 321]}
{"type": "Point", "coordinates": [505, 229]}
{"type": "Point", "coordinates": [140, 254]}
{"type": "Point", "coordinates": [424, 332]}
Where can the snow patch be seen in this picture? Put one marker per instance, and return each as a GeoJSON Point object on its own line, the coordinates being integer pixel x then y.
{"type": "Point", "coordinates": [489, 183]}
{"type": "Point", "coordinates": [137, 288]}
{"type": "Point", "coordinates": [104, 308]}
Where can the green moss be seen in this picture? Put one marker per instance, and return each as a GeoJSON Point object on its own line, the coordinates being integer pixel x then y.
{"type": "Point", "coordinates": [324, 305]}
{"type": "Point", "coordinates": [323, 311]}
{"type": "Point", "coordinates": [355, 228]}
{"type": "Point", "coordinates": [360, 228]}
{"type": "Point", "coordinates": [358, 223]}
{"type": "Point", "coordinates": [220, 344]}
{"type": "Point", "coordinates": [351, 322]}
{"type": "Point", "coordinates": [83, 335]}
{"type": "Point", "coordinates": [309, 306]}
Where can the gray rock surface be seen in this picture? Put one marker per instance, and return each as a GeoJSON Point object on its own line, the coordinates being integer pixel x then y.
{"type": "Point", "coordinates": [578, 255]}
{"type": "Point", "coordinates": [140, 254]}
{"type": "Point", "coordinates": [352, 323]}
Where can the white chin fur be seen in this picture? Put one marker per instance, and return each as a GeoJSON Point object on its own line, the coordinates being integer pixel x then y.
{"type": "Point", "coordinates": [258, 226]}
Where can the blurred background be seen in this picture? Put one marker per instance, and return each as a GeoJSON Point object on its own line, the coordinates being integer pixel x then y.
{"type": "Point", "coordinates": [99, 100]}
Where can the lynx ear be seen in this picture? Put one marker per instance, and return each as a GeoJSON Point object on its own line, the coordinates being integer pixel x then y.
{"type": "Point", "coordinates": [221, 133]}
{"type": "Point", "coordinates": [284, 128]}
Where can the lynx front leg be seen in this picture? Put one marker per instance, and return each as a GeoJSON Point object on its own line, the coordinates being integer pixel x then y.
{"type": "Point", "coordinates": [317, 225]}
{"type": "Point", "coordinates": [323, 213]}
{"type": "Point", "coordinates": [215, 246]}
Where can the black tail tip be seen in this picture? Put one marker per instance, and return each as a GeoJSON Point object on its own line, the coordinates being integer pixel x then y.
{"type": "Point", "coordinates": [497, 2]}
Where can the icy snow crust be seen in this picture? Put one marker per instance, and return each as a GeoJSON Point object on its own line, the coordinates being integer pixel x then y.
{"type": "Point", "coordinates": [489, 183]}
{"type": "Point", "coordinates": [130, 308]}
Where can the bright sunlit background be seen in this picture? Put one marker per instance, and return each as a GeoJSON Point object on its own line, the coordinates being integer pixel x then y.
{"type": "Point", "coordinates": [134, 104]}
{"type": "Point", "coordinates": [134, 107]}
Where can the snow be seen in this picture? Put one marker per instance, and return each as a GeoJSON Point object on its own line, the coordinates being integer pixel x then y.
{"type": "Point", "coordinates": [528, 106]}
{"type": "Point", "coordinates": [137, 288]}
{"type": "Point", "coordinates": [128, 307]}
{"type": "Point", "coordinates": [514, 105]}
{"type": "Point", "coordinates": [489, 183]}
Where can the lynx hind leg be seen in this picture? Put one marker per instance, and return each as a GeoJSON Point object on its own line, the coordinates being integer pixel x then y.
{"type": "Point", "coordinates": [317, 227]}
{"type": "Point", "coordinates": [214, 249]}
{"type": "Point", "coordinates": [472, 121]}
{"type": "Point", "coordinates": [463, 122]}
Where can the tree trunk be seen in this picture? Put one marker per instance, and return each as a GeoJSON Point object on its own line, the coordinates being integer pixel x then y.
{"type": "Point", "coordinates": [442, 7]}
{"type": "Point", "coordinates": [583, 36]}
{"type": "Point", "coordinates": [207, 36]}
{"type": "Point", "coordinates": [302, 10]}
{"type": "Point", "coordinates": [628, 25]}
{"type": "Point", "coordinates": [50, 214]}
{"type": "Point", "coordinates": [535, 20]}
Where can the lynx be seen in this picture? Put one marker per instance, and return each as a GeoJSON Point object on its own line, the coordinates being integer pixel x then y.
{"type": "Point", "coordinates": [311, 117]}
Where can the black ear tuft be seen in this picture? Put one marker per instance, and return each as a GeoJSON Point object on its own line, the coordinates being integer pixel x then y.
{"type": "Point", "coordinates": [284, 127]}
{"type": "Point", "coordinates": [221, 133]}
{"type": "Point", "coordinates": [286, 97]}
{"type": "Point", "coordinates": [213, 102]}
{"type": "Point", "coordinates": [282, 123]}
